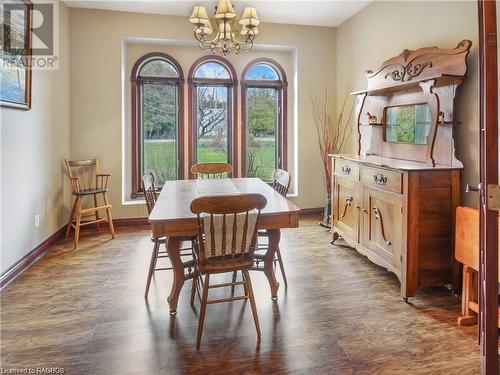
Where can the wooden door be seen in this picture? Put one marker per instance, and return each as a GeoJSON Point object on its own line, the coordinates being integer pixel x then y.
{"type": "Point", "coordinates": [347, 204]}
{"type": "Point", "coordinates": [383, 227]}
{"type": "Point", "coordinates": [488, 229]}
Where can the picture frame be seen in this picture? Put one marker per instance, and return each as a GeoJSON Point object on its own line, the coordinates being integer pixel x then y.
{"type": "Point", "coordinates": [15, 54]}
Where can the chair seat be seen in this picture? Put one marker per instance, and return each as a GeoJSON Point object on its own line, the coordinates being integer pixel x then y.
{"type": "Point", "coordinates": [90, 192]}
{"type": "Point", "coordinates": [226, 264]}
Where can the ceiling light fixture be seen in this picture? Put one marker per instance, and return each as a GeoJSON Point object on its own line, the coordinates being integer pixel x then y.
{"type": "Point", "coordinates": [224, 39]}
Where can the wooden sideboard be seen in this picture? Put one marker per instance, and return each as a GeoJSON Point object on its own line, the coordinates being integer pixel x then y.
{"type": "Point", "coordinates": [394, 200]}
{"type": "Point", "coordinates": [400, 215]}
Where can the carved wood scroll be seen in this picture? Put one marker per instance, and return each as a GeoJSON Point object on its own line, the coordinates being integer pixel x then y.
{"type": "Point", "coordinates": [424, 63]}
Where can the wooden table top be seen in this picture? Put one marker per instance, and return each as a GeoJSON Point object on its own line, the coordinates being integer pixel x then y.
{"type": "Point", "coordinates": [172, 216]}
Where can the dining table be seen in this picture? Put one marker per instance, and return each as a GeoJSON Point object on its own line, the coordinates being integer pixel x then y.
{"type": "Point", "coordinates": [172, 218]}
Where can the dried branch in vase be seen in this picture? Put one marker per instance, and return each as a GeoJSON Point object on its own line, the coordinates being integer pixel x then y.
{"type": "Point", "coordinates": [332, 136]}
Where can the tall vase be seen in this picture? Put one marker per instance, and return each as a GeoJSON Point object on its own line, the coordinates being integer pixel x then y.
{"type": "Point", "coordinates": [327, 209]}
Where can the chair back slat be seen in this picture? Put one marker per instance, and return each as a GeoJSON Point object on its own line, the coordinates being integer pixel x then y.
{"type": "Point", "coordinates": [239, 212]}
{"type": "Point", "coordinates": [211, 170]}
{"type": "Point", "coordinates": [86, 171]}
{"type": "Point", "coordinates": [149, 189]}
{"type": "Point", "coordinates": [281, 181]}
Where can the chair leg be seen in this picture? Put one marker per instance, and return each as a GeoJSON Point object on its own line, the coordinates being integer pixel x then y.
{"type": "Point", "coordinates": [68, 227]}
{"type": "Point", "coordinates": [152, 262]}
{"type": "Point", "coordinates": [98, 224]}
{"type": "Point", "coordinates": [193, 287]}
{"type": "Point", "coordinates": [203, 309]}
{"type": "Point", "coordinates": [235, 273]}
{"type": "Point", "coordinates": [110, 219]}
{"type": "Point", "coordinates": [248, 283]}
{"type": "Point", "coordinates": [282, 267]}
{"type": "Point", "coordinates": [78, 220]}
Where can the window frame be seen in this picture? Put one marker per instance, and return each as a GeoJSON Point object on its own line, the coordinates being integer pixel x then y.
{"type": "Point", "coordinates": [232, 84]}
{"type": "Point", "coordinates": [282, 87]}
{"type": "Point", "coordinates": [137, 83]}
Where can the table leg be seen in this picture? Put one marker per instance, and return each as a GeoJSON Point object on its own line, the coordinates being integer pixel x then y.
{"type": "Point", "coordinates": [174, 253]}
{"type": "Point", "coordinates": [274, 240]}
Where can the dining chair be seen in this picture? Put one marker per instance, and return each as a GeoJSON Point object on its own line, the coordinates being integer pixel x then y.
{"type": "Point", "coordinates": [211, 170]}
{"type": "Point", "coordinates": [86, 181]}
{"type": "Point", "coordinates": [151, 196]}
{"type": "Point", "coordinates": [281, 183]}
{"type": "Point", "coordinates": [227, 237]}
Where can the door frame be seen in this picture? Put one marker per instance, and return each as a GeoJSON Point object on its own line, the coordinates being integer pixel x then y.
{"type": "Point", "coordinates": [488, 223]}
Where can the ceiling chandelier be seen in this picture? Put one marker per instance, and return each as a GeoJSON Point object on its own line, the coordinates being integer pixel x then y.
{"type": "Point", "coordinates": [224, 38]}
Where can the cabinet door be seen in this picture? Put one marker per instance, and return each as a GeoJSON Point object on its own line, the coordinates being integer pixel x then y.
{"type": "Point", "coordinates": [383, 227]}
{"type": "Point", "coordinates": [347, 204]}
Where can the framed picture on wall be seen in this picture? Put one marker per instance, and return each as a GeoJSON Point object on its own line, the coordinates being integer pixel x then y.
{"type": "Point", "coordinates": [15, 53]}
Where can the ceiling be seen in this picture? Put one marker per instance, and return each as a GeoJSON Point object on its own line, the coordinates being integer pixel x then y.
{"type": "Point", "coordinates": [315, 13]}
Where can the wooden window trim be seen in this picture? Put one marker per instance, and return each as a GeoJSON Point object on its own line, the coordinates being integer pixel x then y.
{"type": "Point", "coordinates": [232, 84]}
{"type": "Point", "coordinates": [282, 87]}
{"type": "Point", "coordinates": [136, 85]}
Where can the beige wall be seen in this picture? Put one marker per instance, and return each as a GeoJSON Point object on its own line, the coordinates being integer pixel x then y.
{"type": "Point", "coordinates": [34, 144]}
{"type": "Point", "coordinates": [96, 88]}
{"type": "Point", "coordinates": [383, 29]}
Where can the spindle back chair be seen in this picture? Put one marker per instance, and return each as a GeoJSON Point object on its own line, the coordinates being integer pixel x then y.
{"type": "Point", "coordinates": [86, 181]}
{"type": "Point", "coordinates": [211, 170]}
{"type": "Point", "coordinates": [149, 189]}
{"type": "Point", "coordinates": [227, 237]}
{"type": "Point", "coordinates": [281, 183]}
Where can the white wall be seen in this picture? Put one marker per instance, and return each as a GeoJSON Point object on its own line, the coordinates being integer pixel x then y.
{"type": "Point", "coordinates": [384, 29]}
{"type": "Point", "coordinates": [34, 144]}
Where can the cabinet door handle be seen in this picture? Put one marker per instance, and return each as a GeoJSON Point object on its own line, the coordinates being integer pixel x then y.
{"type": "Point", "coordinates": [346, 169]}
{"type": "Point", "coordinates": [378, 216]}
{"type": "Point", "coordinates": [348, 203]}
{"type": "Point", "coordinates": [380, 179]}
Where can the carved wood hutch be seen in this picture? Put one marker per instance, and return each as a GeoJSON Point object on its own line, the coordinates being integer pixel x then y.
{"type": "Point", "coordinates": [395, 199]}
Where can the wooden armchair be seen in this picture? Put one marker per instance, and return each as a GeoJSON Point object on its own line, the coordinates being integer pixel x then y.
{"type": "Point", "coordinates": [86, 181]}
{"type": "Point", "coordinates": [227, 236]}
{"type": "Point", "coordinates": [211, 170]}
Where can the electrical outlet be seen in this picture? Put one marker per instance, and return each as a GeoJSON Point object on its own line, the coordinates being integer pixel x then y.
{"type": "Point", "coordinates": [37, 221]}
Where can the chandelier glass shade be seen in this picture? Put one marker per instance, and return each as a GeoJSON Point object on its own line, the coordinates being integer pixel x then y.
{"type": "Point", "coordinates": [225, 38]}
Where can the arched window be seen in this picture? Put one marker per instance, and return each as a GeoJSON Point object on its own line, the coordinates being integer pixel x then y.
{"type": "Point", "coordinates": [212, 93]}
{"type": "Point", "coordinates": [157, 119]}
{"type": "Point", "coordinates": [264, 118]}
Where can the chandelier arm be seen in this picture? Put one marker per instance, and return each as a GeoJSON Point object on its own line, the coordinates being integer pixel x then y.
{"type": "Point", "coordinates": [202, 37]}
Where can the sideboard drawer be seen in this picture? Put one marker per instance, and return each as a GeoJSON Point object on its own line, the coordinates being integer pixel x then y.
{"type": "Point", "coordinates": [382, 178]}
{"type": "Point", "coordinates": [347, 169]}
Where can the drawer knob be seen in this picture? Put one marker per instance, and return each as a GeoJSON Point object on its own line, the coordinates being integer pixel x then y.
{"type": "Point", "coordinates": [380, 179]}
{"type": "Point", "coordinates": [346, 169]}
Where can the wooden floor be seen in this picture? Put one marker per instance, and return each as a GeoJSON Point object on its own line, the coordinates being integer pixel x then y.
{"type": "Point", "coordinates": [84, 310]}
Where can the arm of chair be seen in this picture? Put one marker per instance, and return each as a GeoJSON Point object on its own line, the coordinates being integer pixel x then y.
{"type": "Point", "coordinates": [102, 180]}
{"type": "Point", "coordinates": [75, 184]}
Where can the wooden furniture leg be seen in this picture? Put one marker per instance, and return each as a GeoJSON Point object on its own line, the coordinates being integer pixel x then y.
{"type": "Point", "coordinates": [97, 213]}
{"type": "Point", "coordinates": [248, 283]}
{"type": "Point", "coordinates": [152, 266]}
{"type": "Point", "coordinates": [274, 240]}
{"type": "Point", "coordinates": [110, 219]}
{"type": "Point", "coordinates": [203, 309]}
{"type": "Point", "coordinates": [71, 216]}
{"type": "Point", "coordinates": [78, 221]}
{"type": "Point", "coordinates": [469, 294]}
{"type": "Point", "coordinates": [174, 253]}
{"type": "Point", "coordinates": [282, 267]}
